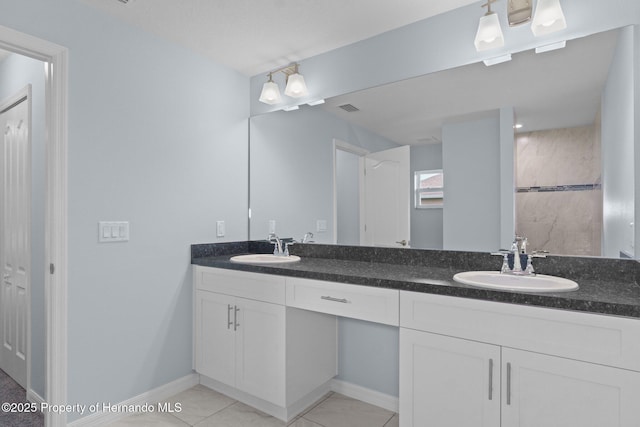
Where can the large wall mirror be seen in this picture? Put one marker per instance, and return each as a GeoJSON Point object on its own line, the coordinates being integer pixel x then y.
{"type": "Point", "coordinates": [541, 146]}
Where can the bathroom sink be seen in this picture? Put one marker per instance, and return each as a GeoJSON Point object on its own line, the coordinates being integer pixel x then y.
{"type": "Point", "coordinates": [515, 283]}
{"type": "Point", "coordinates": [264, 259]}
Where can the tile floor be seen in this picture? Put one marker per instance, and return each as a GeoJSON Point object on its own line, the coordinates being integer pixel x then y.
{"type": "Point", "coordinates": [203, 407]}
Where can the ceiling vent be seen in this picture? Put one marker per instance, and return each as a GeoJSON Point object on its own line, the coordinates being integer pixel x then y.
{"type": "Point", "coordinates": [349, 108]}
{"type": "Point", "coordinates": [126, 1]}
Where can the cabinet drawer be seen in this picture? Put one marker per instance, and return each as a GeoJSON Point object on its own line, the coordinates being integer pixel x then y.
{"type": "Point", "coordinates": [260, 287]}
{"type": "Point", "coordinates": [359, 302]}
{"type": "Point", "coordinates": [608, 340]}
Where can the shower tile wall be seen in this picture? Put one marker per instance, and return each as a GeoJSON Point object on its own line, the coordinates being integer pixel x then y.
{"type": "Point", "coordinates": [561, 222]}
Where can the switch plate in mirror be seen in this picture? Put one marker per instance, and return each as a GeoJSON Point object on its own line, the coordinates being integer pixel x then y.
{"type": "Point", "coordinates": [519, 11]}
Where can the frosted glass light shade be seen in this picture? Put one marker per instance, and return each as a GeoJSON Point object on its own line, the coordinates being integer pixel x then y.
{"type": "Point", "coordinates": [270, 93]}
{"type": "Point", "coordinates": [489, 35]}
{"type": "Point", "coordinates": [296, 87]}
{"type": "Point", "coordinates": [548, 18]}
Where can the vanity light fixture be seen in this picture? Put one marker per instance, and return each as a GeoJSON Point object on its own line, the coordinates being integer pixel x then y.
{"type": "Point", "coordinates": [489, 34]}
{"type": "Point", "coordinates": [316, 102]}
{"type": "Point", "coordinates": [548, 18]}
{"type": "Point", "coordinates": [296, 87]}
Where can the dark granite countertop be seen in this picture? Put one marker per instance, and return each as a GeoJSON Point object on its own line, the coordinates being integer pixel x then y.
{"type": "Point", "coordinates": [606, 286]}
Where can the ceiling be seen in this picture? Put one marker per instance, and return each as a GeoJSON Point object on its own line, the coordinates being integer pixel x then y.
{"type": "Point", "coordinates": [256, 36]}
{"type": "Point", "coordinates": [556, 89]}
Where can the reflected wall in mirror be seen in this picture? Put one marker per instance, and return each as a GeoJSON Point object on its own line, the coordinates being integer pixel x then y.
{"type": "Point", "coordinates": [567, 174]}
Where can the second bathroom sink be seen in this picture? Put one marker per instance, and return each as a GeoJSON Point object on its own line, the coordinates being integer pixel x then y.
{"type": "Point", "coordinates": [264, 259]}
{"type": "Point", "coordinates": [516, 283]}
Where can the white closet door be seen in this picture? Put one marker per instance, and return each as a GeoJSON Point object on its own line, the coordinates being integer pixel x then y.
{"type": "Point", "coordinates": [15, 233]}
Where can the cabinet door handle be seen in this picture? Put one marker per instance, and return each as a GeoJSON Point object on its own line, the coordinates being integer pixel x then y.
{"type": "Point", "coordinates": [235, 318]}
{"type": "Point", "coordinates": [508, 383]}
{"type": "Point", "coordinates": [229, 322]}
{"type": "Point", "coordinates": [490, 379]}
{"type": "Point", "coordinates": [329, 298]}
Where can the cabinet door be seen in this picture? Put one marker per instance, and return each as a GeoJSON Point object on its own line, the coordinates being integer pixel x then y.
{"type": "Point", "coordinates": [260, 344]}
{"type": "Point", "coordinates": [556, 392]}
{"type": "Point", "coordinates": [215, 336]}
{"type": "Point", "coordinates": [448, 382]}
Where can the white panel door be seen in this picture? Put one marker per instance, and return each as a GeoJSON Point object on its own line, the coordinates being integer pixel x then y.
{"type": "Point", "coordinates": [387, 198]}
{"type": "Point", "coordinates": [549, 391]}
{"type": "Point", "coordinates": [215, 336]}
{"type": "Point", "coordinates": [15, 233]}
{"type": "Point", "coordinates": [260, 346]}
{"type": "Point", "coordinates": [448, 382]}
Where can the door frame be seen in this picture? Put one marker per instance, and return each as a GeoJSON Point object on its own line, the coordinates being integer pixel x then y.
{"type": "Point", "coordinates": [360, 152]}
{"type": "Point", "coordinates": [18, 97]}
{"type": "Point", "coordinates": [56, 62]}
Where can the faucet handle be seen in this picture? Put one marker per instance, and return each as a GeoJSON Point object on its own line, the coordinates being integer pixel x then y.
{"type": "Point", "coordinates": [501, 252]}
{"type": "Point", "coordinates": [505, 260]}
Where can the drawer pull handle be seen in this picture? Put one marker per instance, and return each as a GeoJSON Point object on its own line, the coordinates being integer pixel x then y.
{"type": "Point", "coordinates": [229, 322]}
{"type": "Point", "coordinates": [508, 383]}
{"type": "Point", "coordinates": [490, 379]}
{"type": "Point", "coordinates": [235, 318]}
{"type": "Point", "coordinates": [341, 300]}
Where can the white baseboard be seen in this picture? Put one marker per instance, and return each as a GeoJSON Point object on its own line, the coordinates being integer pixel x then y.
{"type": "Point", "coordinates": [149, 397]}
{"type": "Point", "coordinates": [34, 397]}
{"type": "Point", "coordinates": [367, 395]}
{"type": "Point", "coordinates": [280, 412]}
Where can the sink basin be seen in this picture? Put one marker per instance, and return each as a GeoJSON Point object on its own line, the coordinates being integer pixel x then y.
{"type": "Point", "coordinates": [515, 283]}
{"type": "Point", "coordinates": [264, 259]}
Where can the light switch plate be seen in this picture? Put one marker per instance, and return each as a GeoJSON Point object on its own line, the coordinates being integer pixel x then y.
{"type": "Point", "coordinates": [272, 226]}
{"type": "Point", "coordinates": [113, 231]}
{"type": "Point", "coordinates": [220, 228]}
{"type": "Point", "coordinates": [321, 225]}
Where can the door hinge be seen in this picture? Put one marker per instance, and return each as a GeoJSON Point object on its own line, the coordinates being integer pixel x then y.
{"type": "Point", "coordinates": [52, 268]}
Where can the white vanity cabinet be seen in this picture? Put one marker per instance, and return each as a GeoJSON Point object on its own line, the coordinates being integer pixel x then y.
{"type": "Point", "coordinates": [249, 345]}
{"type": "Point", "coordinates": [475, 363]}
{"type": "Point", "coordinates": [241, 343]}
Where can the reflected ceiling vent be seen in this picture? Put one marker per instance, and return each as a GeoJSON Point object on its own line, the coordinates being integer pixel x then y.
{"type": "Point", "coordinates": [126, 1]}
{"type": "Point", "coordinates": [349, 108]}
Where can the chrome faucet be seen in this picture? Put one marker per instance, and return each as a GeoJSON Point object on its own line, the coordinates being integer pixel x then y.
{"type": "Point", "coordinates": [518, 248]}
{"type": "Point", "coordinates": [275, 240]}
{"type": "Point", "coordinates": [307, 237]}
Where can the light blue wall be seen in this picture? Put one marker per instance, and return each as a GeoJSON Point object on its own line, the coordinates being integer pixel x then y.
{"type": "Point", "coordinates": [16, 72]}
{"type": "Point", "coordinates": [426, 224]}
{"type": "Point", "coordinates": [368, 355]}
{"type": "Point", "coordinates": [157, 137]}
{"type": "Point", "coordinates": [298, 144]}
{"type": "Point", "coordinates": [471, 159]}
{"type": "Point", "coordinates": [618, 149]}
